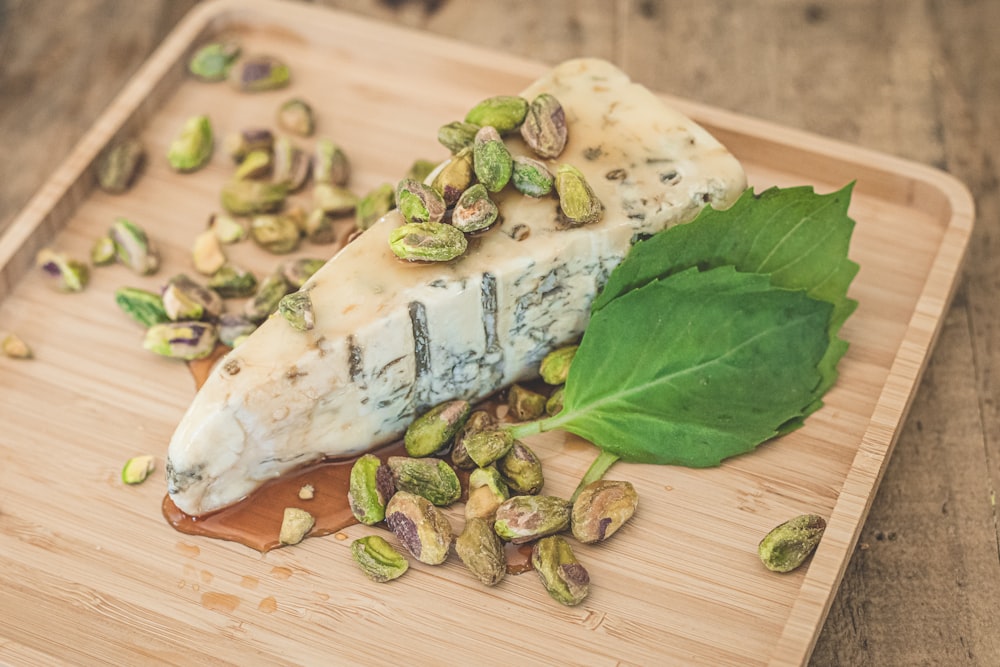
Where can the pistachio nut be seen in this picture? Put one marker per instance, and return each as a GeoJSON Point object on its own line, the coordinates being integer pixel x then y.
{"type": "Point", "coordinates": [332, 165]}
{"type": "Point", "coordinates": [487, 491]}
{"type": "Point", "coordinates": [434, 430]}
{"type": "Point", "coordinates": [428, 478]}
{"type": "Point", "coordinates": [258, 73]}
{"type": "Point", "coordinates": [418, 202]}
{"type": "Point", "coordinates": [531, 177]}
{"type": "Point", "coordinates": [521, 519]}
{"type": "Point", "coordinates": [15, 348]}
{"type": "Point", "coordinates": [233, 282]}
{"type": "Point", "coordinates": [212, 62]}
{"type": "Point", "coordinates": [292, 165]}
{"type": "Point", "coordinates": [269, 294]}
{"type": "Point", "coordinates": [478, 420]}
{"type": "Point", "coordinates": [181, 340]}
{"type": "Point", "coordinates": [577, 200]}
{"type": "Point", "coordinates": [133, 247]}
{"type": "Point", "coordinates": [421, 527]}
{"type": "Point", "coordinates": [377, 559]}
{"type": "Point", "coordinates": [427, 242]}
{"type": "Point", "coordinates": [491, 159]}
{"type": "Point", "coordinates": [207, 254]}
{"type": "Point", "coordinates": [454, 176]}
{"type": "Point", "coordinates": [65, 273]}
{"type": "Point", "coordinates": [475, 211]}
{"type": "Point", "coordinates": [788, 545]}
{"type": "Point", "coordinates": [544, 127]}
{"type": "Point", "coordinates": [295, 525]}
{"type": "Point", "coordinates": [457, 136]}
{"type": "Point", "coordinates": [192, 147]}
{"type": "Point", "coordinates": [252, 197]}
{"type": "Point", "coordinates": [297, 309]}
{"type": "Point", "coordinates": [504, 112]}
{"type": "Point", "coordinates": [521, 469]}
{"type": "Point", "coordinates": [334, 200]}
{"type": "Point", "coordinates": [371, 486]}
{"type": "Point", "coordinates": [482, 551]}
{"type": "Point", "coordinates": [296, 115]}
{"type": "Point", "coordinates": [298, 271]}
{"type": "Point", "coordinates": [256, 165]}
{"type": "Point", "coordinates": [601, 508]}
{"type": "Point", "coordinates": [420, 170]}
{"type": "Point", "coordinates": [138, 468]}
{"type": "Point", "coordinates": [275, 233]}
{"type": "Point", "coordinates": [227, 229]}
{"type": "Point", "coordinates": [144, 307]}
{"type": "Point", "coordinates": [238, 145]}
{"type": "Point", "coordinates": [554, 368]}
{"type": "Point", "coordinates": [320, 228]}
{"type": "Point", "coordinates": [524, 403]}
{"type": "Point", "coordinates": [565, 579]}
{"type": "Point", "coordinates": [232, 327]}
{"type": "Point", "coordinates": [103, 251]}
{"type": "Point", "coordinates": [119, 165]}
{"type": "Point", "coordinates": [489, 445]}
{"type": "Point", "coordinates": [184, 299]}
{"type": "Point", "coordinates": [374, 205]}
{"type": "Point", "coordinates": [554, 405]}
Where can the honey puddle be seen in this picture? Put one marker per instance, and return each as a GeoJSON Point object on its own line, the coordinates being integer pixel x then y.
{"type": "Point", "coordinates": [255, 521]}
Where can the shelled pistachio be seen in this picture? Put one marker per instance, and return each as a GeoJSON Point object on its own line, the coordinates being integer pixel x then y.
{"type": "Point", "coordinates": [133, 247]}
{"type": "Point", "coordinates": [487, 491]}
{"type": "Point", "coordinates": [213, 61]}
{"type": "Point", "coordinates": [554, 404]}
{"type": "Point", "coordinates": [428, 478]}
{"type": "Point", "coordinates": [488, 445]}
{"type": "Point", "coordinates": [265, 301]}
{"type": "Point", "coordinates": [482, 551]}
{"type": "Point", "coordinates": [524, 403]}
{"type": "Point", "coordinates": [492, 160]}
{"type": "Point", "coordinates": [252, 197]}
{"type": "Point", "coordinates": [420, 526]}
{"type": "Point", "coordinates": [531, 177]}
{"type": "Point", "coordinates": [259, 73]}
{"type": "Point", "coordinates": [192, 147]}
{"type": "Point", "coordinates": [207, 254]}
{"type": "Point", "coordinates": [185, 299]}
{"type": "Point", "coordinates": [521, 469]}
{"type": "Point", "coordinates": [291, 165]}
{"type": "Point", "coordinates": [238, 145]}
{"type": "Point", "coordinates": [578, 202]}
{"type": "Point", "coordinates": [256, 165]}
{"type": "Point", "coordinates": [233, 282]}
{"type": "Point", "coordinates": [420, 170]}
{"type": "Point", "coordinates": [65, 274]}
{"type": "Point", "coordinates": [138, 468]}
{"type": "Point", "coordinates": [13, 347]}
{"type": "Point", "coordinates": [295, 525]}
{"type": "Point", "coordinates": [227, 229]}
{"type": "Point", "coordinates": [370, 488]}
{"type": "Point", "coordinates": [434, 430]}
{"type": "Point", "coordinates": [479, 420]}
{"type": "Point", "coordinates": [544, 127]}
{"type": "Point", "coordinates": [474, 211]}
{"type": "Point", "coordinates": [504, 112]}
{"type": "Point", "coordinates": [297, 116]}
{"type": "Point", "coordinates": [601, 508]}
{"type": "Point", "coordinates": [378, 559]}
{"type": "Point", "coordinates": [565, 579]}
{"type": "Point", "coordinates": [789, 544]}
{"type": "Point", "coordinates": [374, 205]}
{"type": "Point", "coordinates": [331, 164]}
{"type": "Point", "coordinates": [181, 340]}
{"type": "Point", "coordinates": [297, 271]}
{"type": "Point", "coordinates": [521, 519]}
{"type": "Point", "coordinates": [275, 233]}
{"type": "Point", "coordinates": [427, 242]}
{"type": "Point", "coordinates": [297, 309]}
{"type": "Point", "coordinates": [119, 165]}
{"type": "Point", "coordinates": [103, 253]}
{"type": "Point", "coordinates": [144, 307]}
{"type": "Point", "coordinates": [554, 368]}
{"type": "Point", "coordinates": [454, 177]}
{"type": "Point", "coordinates": [232, 327]}
{"type": "Point", "coordinates": [418, 202]}
{"type": "Point", "coordinates": [457, 135]}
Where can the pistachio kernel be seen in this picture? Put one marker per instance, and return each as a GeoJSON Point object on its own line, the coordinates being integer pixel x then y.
{"type": "Point", "coordinates": [334, 200]}
{"type": "Point", "coordinates": [420, 170]}
{"type": "Point", "coordinates": [521, 469]}
{"type": "Point", "coordinates": [474, 211]}
{"type": "Point", "coordinates": [487, 491]}
{"type": "Point", "coordinates": [531, 177]}
{"type": "Point", "coordinates": [233, 282]}
{"type": "Point", "coordinates": [297, 309]}
{"type": "Point", "coordinates": [65, 273]}
{"type": "Point", "coordinates": [524, 403]}
{"type": "Point", "coordinates": [103, 252]}
{"type": "Point", "coordinates": [479, 420]}
{"type": "Point", "coordinates": [374, 205]}
{"type": "Point", "coordinates": [184, 299]}
{"type": "Point", "coordinates": [181, 340]}
{"type": "Point", "coordinates": [370, 488]}
{"type": "Point", "coordinates": [192, 147]}
{"type": "Point", "coordinates": [238, 145]}
{"type": "Point", "coordinates": [212, 62]}
{"type": "Point", "coordinates": [434, 430]}
{"type": "Point", "coordinates": [577, 200]}
{"type": "Point", "coordinates": [233, 327]}
{"type": "Point", "coordinates": [427, 242]}
{"type": "Point", "coordinates": [482, 551]}
{"type": "Point", "coordinates": [295, 525]}
{"type": "Point", "coordinates": [133, 247]}
{"type": "Point", "coordinates": [601, 508]}
{"type": "Point", "coordinates": [554, 405]}
{"type": "Point", "coordinates": [418, 202]}
{"type": "Point", "coordinates": [544, 127]}
{"type": "Point", "coordinates": [14, 348]}
{"type": "Point", "coordinates": [252, 197]}
{"type": "Point", "coordinates": [119, 165]}
{"type": "Point", "coordinates": [298, 271]}
{"type": "Point", "coordinates": [331, 164]}
{"type": "Point", "coordinates": [207, 255]}
{"type": "Point", "coordinates": [504, 112]}
{"type": "Point", "coordinates": [292, 165]}
{"type": "Point", "coordinates": [265, 301]}
{"type": "Point", "coordinates": [296, 115]}
{"type": "Point", "coordinates": [256, 165]}
{"type": "Point", "coordinates": [488, 445]}
{"type": "Point", "coordinates": [454, 177]}
{"type": "Point", "coordinates": [565, 579]}
{"type": "Point", "coordinates": [227, 229]}
{"type": "Point", "coordinates": [554, 368]}
{"type": "Point", "coordinates": [457, 135]}
{"type": "Point", "coordinates": [277, 234]}
{"type": "Point", "coordinates": [521, 519]}
{"type": "Point", "coordinates": [137, 469]}
{"type": "Point", "coordinates": [788, 545]}
{"type": "Point", "coordinates": [492, 161]}
{"type": "Point", "coordinates": [378, 559]}
{"type": "Point", "coordinates": [428, 478]}
{"type": "Point", "coordinates": [420, 526]}
{"type": "Point", "coordinates": [144, 307]}
{"type": "Point", "coordinates": [259, 73]}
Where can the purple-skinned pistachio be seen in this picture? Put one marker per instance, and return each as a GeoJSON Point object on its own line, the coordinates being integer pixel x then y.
{"type": "Point", "coordinates": [181, 340]}
{"type": "Point", "coordinates": [259, 73]}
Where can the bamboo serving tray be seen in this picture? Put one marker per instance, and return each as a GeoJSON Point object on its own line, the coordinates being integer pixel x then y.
{"type": "Point", "coordinates": [91, 573]}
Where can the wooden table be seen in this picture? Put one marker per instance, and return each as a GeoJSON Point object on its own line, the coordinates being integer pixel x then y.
{"type": "Point", "coordinates": [918, 80]}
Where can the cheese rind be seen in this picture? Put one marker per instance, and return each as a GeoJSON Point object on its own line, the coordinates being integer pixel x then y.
{"type": "Point", "coordinates": [392, 339]}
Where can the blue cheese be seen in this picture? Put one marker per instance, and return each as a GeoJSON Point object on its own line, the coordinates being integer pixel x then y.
{"type": "Point", "coordinates": [392, 339]}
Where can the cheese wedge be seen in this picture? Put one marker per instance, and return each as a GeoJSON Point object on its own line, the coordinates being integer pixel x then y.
{"type": "Point", "coordinates": [392, 339]}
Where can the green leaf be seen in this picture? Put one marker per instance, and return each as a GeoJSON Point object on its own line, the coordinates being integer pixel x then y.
{"type": "Point", "coordinates": [695, 368]}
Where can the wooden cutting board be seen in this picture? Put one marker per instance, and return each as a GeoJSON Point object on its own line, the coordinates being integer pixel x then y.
{"type": "Point", "coordinates": [90, 572]}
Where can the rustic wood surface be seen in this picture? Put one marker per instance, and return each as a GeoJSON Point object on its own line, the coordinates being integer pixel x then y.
{"type": "Point", "coordinates": [917, 80]}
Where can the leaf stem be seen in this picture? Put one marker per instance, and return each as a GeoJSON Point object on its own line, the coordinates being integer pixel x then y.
{"type": "Point", "coordinates": [595, 472]}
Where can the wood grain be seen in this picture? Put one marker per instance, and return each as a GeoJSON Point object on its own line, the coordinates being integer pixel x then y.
{"type": "Point", "coordinates": [913, 79]}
